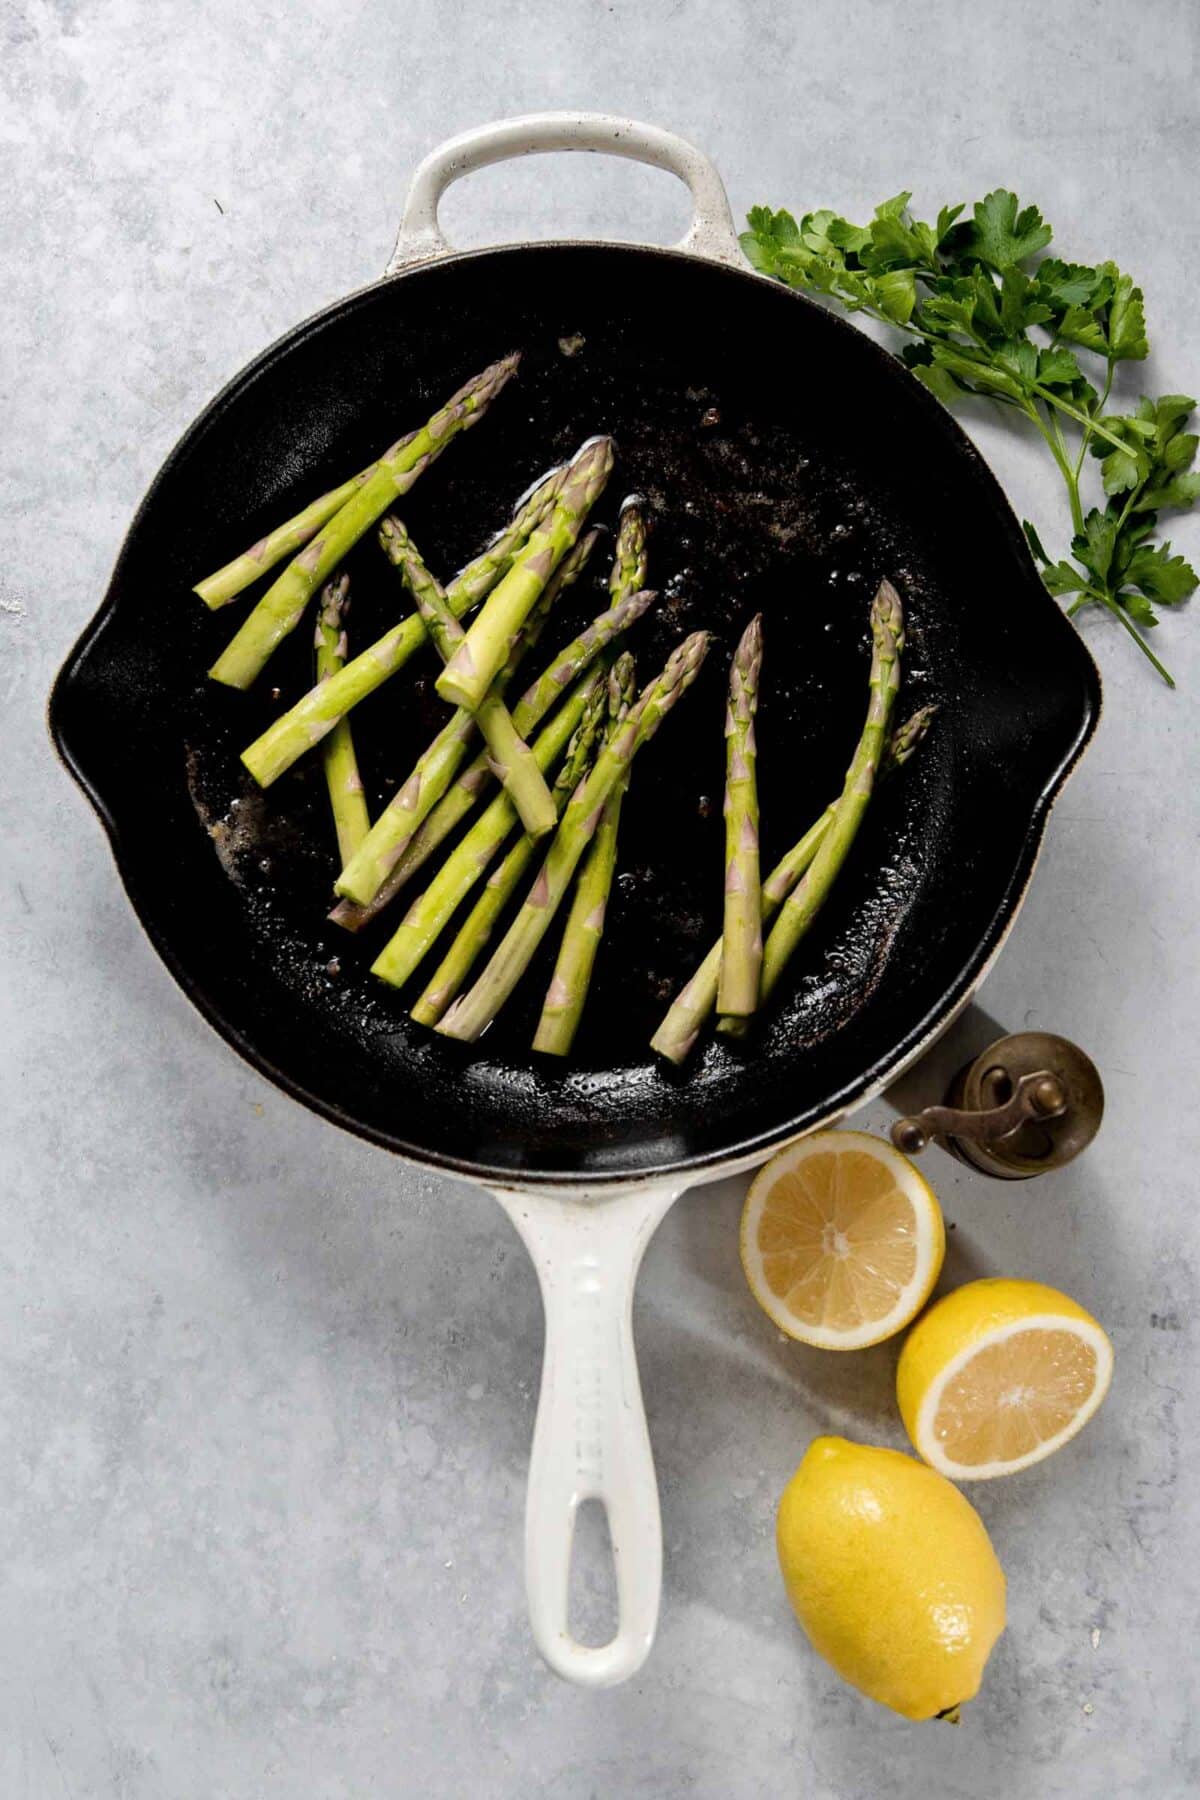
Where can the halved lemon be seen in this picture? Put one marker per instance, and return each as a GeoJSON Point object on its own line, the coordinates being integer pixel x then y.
{"type": "Point", "coordinates": [998, 1375]}
{"type": "Point", "coordinates": [841, 1240]}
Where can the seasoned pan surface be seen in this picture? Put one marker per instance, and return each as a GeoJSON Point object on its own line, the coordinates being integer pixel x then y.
{"type": "Point", "coordinates": [786, 464]}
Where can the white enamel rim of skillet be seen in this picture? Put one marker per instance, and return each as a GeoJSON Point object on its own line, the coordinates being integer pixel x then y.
{"type": "Point", "coordinates": [590, 1439]}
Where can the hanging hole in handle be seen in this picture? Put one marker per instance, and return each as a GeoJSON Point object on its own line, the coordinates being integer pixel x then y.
{"type": "Point", "coordinates": [593, 1611]}
{"type": "Point", "coordinates": [565, 195]}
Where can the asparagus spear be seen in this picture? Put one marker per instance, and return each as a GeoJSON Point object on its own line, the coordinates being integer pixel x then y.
{"type": "Point", "coordinates": [567, 995]}
{"type": "Point", "coordinates": [698, 999]}
{"type": "Point", "coordinates": [533, 706]}
{"type": "Point", "coordinates": [629, 553]}
{"type": "Point", "coordinates": [742, 946]}
{"type": "Point", "coordinates": [563, 1006]}
{"type": "Point", "coordinates": [319, 710]}
{"type": "Point", "coordinates": [468, 675]}
{"type": "Point", "coordinates": [474, 1011]}
{"type": "Point", "coordinates": [219, 589]}
{"type": "Point", "coordinates": [282, 606]}
{"type": "Point", "coordinates": [432, 910]}
{"type": "Point", "coordinates": [502, 883]}
{"type": "Point", "coordinates": [806, 899]}
{"type": "Point", "coordinates": [346, 798]}
{"type": "Point", "coordinates": [511, 760]}
{"type": "Point", "coordinates": [904, 742]}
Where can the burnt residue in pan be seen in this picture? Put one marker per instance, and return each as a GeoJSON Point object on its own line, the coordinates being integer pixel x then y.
{"type": "Point", "coordinates": [785, 468]}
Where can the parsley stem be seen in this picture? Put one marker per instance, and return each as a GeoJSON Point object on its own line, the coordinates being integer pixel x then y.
{"type": "Point", "coordinates": [1090, 596]}
{"type": "Point", "coordinates": [1058, 450]}
{"type": "Point", "coordinates": [1118, 612]}
{"type": "Point", "coordinates": [873, 312]}
{"type": "Point", "coordinates": [1129, 500]}
{"type": "Point", "coordinates": [1097, 409]}
{"type": "Point", "coordinates": [1080, 418]}
{"type": "Point", "coordinates": [1070, 476]}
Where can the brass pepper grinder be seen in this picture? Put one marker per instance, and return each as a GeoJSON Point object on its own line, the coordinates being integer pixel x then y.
{"type": "Point", "coordinates": [1028, 1103]}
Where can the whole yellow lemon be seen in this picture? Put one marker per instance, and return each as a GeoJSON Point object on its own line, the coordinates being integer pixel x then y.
{"type": "Point", "coordinates": [892, 1575]}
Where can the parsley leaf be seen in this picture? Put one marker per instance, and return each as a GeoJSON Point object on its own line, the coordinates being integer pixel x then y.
{"type": "Point", "coordinates": [1034, 541]}
{"type": "Point", "coordinates": [1138, 608]}
{"type": "Point", "coordinates": [1095, 544]}
{"type": "Point", "coordinates": [1002, 237]}
{"type": "Point", "coordinates": [1163, 577]}
{"type": "Point", "coordinates": [1126, 319]}
{"type": "Point", "coordinates": [1066, 285]}
{"type": "Point", "coordinates": [1063, 578]}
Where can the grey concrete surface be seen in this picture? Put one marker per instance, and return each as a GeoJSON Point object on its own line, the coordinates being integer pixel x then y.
{"type": "Point", "coordinates": [266, 1394]}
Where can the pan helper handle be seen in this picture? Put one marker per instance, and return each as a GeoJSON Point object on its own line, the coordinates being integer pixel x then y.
{"type": "Point", "coordinates": [590, 1441]}
{"type": "Point", "coordinates": [711, 233]}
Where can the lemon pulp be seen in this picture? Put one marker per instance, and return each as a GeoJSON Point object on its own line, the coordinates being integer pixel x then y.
{"type": "Point", "coordinates": [842, 1240]}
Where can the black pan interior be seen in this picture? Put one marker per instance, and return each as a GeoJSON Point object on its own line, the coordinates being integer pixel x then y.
{"type": "Point", "coordinates": [787, 464]}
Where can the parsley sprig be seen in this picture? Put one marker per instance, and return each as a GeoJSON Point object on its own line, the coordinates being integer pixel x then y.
{"type": "Point", "coordinates": [970, 295]}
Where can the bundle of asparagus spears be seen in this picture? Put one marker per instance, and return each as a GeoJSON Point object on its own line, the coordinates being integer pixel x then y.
{"type": "Point", "coordinates": [559, 761]}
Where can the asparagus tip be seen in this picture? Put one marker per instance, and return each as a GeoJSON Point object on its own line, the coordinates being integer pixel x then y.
{"type": "Point", "coordinates": [886, 608]}
{"type": "Point", "coordinates": [333, 600]}
{"type": "Point", "coordinates": [747, 658]}
{"type": "Point", "coordinates": [593, 457]}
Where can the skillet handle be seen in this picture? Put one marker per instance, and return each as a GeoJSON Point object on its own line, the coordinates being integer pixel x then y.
{"type": "Point", "coordinates": [590, 1441]}
{"type": "Point", "coordinates": [711, 233]}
